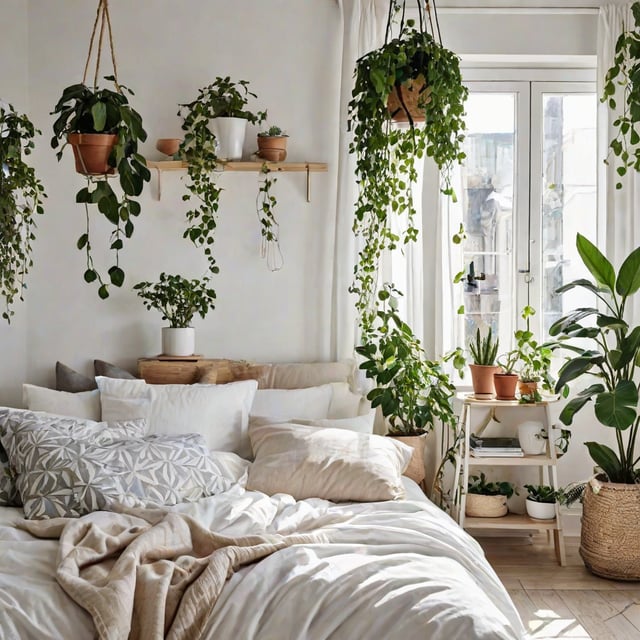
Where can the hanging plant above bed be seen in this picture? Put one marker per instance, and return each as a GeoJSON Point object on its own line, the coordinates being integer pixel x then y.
{"type": "Point", "coordinates": [104, 131]}
{"type": "Point", "coordinates": [21, 195]}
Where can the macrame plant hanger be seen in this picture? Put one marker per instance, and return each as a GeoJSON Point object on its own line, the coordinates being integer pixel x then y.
{"type": "Point", "coordinates": [102, 19]}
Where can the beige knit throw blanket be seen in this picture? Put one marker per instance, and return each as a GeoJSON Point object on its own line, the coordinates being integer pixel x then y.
{"type": "Point", "coordinates": [149, 573]}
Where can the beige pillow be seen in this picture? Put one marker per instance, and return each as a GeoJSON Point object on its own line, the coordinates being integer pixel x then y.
{"type": "Point", "coordinates": [334, 464]}
{"type": "Point", "coordinates": [298, 375]}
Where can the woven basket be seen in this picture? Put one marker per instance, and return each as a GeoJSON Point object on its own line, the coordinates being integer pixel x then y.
{"type": "Point", "coordinates": [415, 469]}
{"type": "Point", "coordinates": [415, 94]}
{"type": "Point", "coordinates": [611, 530]}
{"type": "Point", "coordinates": [480, 506]}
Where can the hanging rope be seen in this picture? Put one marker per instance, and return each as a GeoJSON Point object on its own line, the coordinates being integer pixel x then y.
{"type": "Point", "coordinates": [428, 23]}
{"type": "Point", "coordinates": [102, 18]}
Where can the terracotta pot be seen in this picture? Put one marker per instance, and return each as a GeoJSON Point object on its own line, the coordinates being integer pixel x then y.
{"type": "Point", "coordinates": [272, 148]}
{"type": "Point", "coordinates": [505, 384]}
{"type": "Point", "coordinates": [91, 152]}
{"type": "Point", "coordinates": [168, 146]}
{"type": "Point", "coordinates": [481, 506]}
{"type": "Point", "coordinates": [482, 380]}
{"type": "Point", "coordinates": [415, 468]}
{"type": "Point", "coordinates": [527, 388]}
{"type": "Point", "coordinates": [411, 96]}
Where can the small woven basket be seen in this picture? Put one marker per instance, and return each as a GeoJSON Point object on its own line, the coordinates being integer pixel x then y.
{"type": "Point", "coordinates": [414, 94]}
{"type": "Point", "coordinates": [415, 469]}
{"type": "Point", "coordinates": [480, 506]}
{"type": "Point", "coordinates": [611, 530]}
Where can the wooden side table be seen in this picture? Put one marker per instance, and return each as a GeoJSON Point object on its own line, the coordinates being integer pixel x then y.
{"type": "Point", "coordinates": [173, 369]}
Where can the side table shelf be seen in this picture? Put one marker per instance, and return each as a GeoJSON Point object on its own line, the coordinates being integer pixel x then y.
{"type": "Point", "coordinates": [546, 464]}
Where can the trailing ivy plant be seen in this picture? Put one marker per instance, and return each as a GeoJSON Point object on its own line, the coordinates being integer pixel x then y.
{"type": "Point", "coordinates": [21, 196]}
{"type": "Point", "coordinates": [624, 74]}
{"type": "Point", "coordinates": [222, 98]}
{"type": "Point", "coordinates": [386, 154]}
{"type": "Point", "coordinates": [269, 226]}
{"type": "Point", "coordinates": [83, 109]}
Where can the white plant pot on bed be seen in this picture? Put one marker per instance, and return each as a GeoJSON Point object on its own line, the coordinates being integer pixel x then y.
{"type": "Point", "coordinates": [178, 342]}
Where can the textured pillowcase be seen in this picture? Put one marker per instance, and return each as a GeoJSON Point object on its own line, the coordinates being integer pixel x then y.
{"type": "Point", "coordinates": [85, 404]}
{"type": "Point", "coordinates": [299, 375]}
{"type": "Point", "coordinates": [64, 472]}
{"type": "Point", "coordinates": [67, 379]}
{"type": "Point", "coordinates": [102, 368]}
{"type": "Point", "coordinates": [358, 424]}
{"type": "Point", "coordinates": [219, 413]}
{"type": "Point", "coordinates": [309, 404]}
{"type": "Point", "coordinates": [334, 464]}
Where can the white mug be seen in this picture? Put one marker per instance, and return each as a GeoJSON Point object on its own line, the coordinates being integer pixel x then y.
{"type": "Point", "coordinates": [532, 436]}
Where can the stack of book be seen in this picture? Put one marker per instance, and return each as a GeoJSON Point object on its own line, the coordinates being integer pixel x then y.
{"type": "Point", "coordinates": [495, 447]}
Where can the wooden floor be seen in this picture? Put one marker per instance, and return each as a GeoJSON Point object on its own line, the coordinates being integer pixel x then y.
{"type": "Point", "coordinates": [563, 602]}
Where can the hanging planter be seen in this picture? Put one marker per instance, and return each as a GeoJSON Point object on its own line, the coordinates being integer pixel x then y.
{"type": "Point", "coordinates": [104, 131]}
{"type": "Point", "coordinates": [408, 100]}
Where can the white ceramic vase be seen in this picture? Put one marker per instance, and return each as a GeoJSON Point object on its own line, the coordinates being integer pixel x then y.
{"type": "Point", "coordinates": [532, 437]}
{"type": "Point", "coordinates": [178, 342]}
{"type": "Point", "coordinates": [541, 510]}
{"type": "Point", "coordinates": [229, 133]}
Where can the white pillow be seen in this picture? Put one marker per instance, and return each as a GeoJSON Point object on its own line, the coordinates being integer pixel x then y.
{"type": "Point", "coordinates": [344, 403]}
{"type": "Point", "coordinates": [85, 404]}
{"type": "Point", "coordinates": [220, 413]}
{"type": "Point", "coordinates": [358, 424]}
{"type": "Point", "coordinates": [334, 464]}
{"type": "Point", "coordinates": [309, 404]}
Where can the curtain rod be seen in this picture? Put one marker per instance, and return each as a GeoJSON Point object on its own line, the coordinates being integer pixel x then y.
{"type": "Point", "coordinates": [525, 10]}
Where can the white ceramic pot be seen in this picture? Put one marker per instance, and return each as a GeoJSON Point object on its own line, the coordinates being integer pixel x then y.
{"type": "Point", "coordinates": [178, 342]}
{"type": "Point", "coordinates": [540, 510]}
{"type": "Point", "coordinates": [229, 133]}
{"type": "Point", "coordinates": [532, 436]}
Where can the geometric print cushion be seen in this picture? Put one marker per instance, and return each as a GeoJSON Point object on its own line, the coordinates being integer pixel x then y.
{"type": "Point", "coordinates": [61, 473]}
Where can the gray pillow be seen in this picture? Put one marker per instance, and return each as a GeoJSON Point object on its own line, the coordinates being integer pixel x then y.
{"type": "Point", "coordinates": [108, 370]}
{"type": "Point", "coordinates": [67, 379]}
{"type": "Point", "coordinates": [61, 471]}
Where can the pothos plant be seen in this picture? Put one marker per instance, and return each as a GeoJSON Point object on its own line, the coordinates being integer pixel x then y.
{"type": "Point", "coordinates": [269, 226]}
{"type": "Point", "coordinates": [385, 153]}
{"type": "Point", "coordinates": [21, 196]}
{"type": "Point", "coordinates": [83, 109]}
{"type": "Point", "coordinates": [222, 98]}
{"type": "Point", "coordinates": [624, 75]}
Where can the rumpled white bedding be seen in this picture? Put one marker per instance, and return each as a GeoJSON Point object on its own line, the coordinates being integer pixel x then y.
{"type": "Point", "coordinates": [394, 570]}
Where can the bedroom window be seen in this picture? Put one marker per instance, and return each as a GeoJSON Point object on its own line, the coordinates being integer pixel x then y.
{"type": "Point", "coordinates": [527, 186]}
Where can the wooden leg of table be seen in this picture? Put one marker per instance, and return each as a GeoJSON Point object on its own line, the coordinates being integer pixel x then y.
{"type": "Point", "coordinates": [558, 541]}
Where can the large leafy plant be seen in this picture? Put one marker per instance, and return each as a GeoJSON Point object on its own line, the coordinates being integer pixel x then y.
{"type": "Point", "coordinates": [624, 76]}
{"type": "Point", "coordinates": [612, 357]}
{"type": "Point", "coordinates": [412, 391]}
{"type": "Point", "coordinates": [177, 298]}
{"type": "Point", "coordinates": [83, 109]}
{"type": "Point", "coordinates": [21, 195]}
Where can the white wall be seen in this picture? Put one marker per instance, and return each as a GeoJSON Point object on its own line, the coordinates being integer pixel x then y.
{"type": "Point", "coordinates": [166, 51]}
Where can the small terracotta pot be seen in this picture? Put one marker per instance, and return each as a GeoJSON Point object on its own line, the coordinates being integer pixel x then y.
{"type": "Point", "coordinates": [168, 146]}
{"type": "Point", "coordinates": [505, 384]}
{"type": "Point", "coordinates": [482, 380]}
{"type": "Point", "coordinates": [91, 152]}
{"type": "Point", "coordinates": [527, 388]}
{"type": "Point", "coordinates": [272, 148]}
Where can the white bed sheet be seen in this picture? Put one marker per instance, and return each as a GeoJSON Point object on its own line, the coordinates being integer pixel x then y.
{"type": "Point", "coordinates": [396, 570]}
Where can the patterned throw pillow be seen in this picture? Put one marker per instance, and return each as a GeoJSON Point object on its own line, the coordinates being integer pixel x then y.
{"type": "Point", "coordinates": [64, 472]}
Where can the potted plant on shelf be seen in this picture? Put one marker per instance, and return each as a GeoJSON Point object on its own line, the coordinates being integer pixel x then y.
{"type": "Point", "coordinates": [21, 196]}
{"type": "Point", "coordinates": [178, 300]}
{"type": "Point", "coordinates": [487, 499]}
{"type": "Point", "coordinates": [506, 380]}
{"type": "Point", "coordinates": [541, 501]}
{"type": "Point", "coordinates": [483, 351]}
{"type": "Point", "coordinates": [413, 392]}
{"type": "Point", "coordinates": [104, 131]}
{"type": "Point", "coordinates": [611, 516]}
{"type": "Point", "coordinates": [272, 144]}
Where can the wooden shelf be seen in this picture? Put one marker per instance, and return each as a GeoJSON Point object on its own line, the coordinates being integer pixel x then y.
{"type": "Point", "coordinates": [512, 461]}
{"type": "Point", "coordinates": [510, 521]}
{"type": "Point", "coordinates": [244, 165]}
{"type": "Point", "coordinates": [469, 399]}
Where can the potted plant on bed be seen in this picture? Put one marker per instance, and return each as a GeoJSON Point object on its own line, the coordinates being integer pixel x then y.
{"type": "Point", "coordinates": [21, 195]}
{"type": "Point", "coordinates": [611, 506]}
{"type": "Point", "coordinates": [487, 499]}
{"type": "Point", "coordinates": [178, 299]}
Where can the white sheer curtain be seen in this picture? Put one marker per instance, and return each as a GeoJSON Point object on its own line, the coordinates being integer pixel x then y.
{"type": "Point", "coordinates": [621, 207]}
{"type": "Point", "coordinates": [364, 23]}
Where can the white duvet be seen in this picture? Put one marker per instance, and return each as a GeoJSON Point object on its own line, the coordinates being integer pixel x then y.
{"type": "Point", "coordinates": [393, 570]}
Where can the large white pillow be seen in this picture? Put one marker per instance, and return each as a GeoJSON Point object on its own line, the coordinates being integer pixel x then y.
{"type": "Point", "coordinates": [310, 403]}
{"type": "Point", "coordinates": [85, 404]}
{"type": "Point", "coordinates": [359, 424]}
{"type": "Point", "coordinates": [335, 464]}
{"type": "Point", "coordinates": [220, 413]}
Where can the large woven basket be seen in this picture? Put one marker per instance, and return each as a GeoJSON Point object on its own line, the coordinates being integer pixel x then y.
{"type": "Point", "coordinates": [481, 506]}
{"type": "Point", "coordinates": [411, 96]}
{"type": "Point", "coordinates": [609, 543]}
{"type": "Point", "coordinates": [415, 469]}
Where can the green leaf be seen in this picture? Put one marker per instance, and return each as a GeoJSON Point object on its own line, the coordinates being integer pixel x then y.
{"type": "Point", "coordinates": [628, 281]}
{"type": "Point", "coordinates": [103, 292]}
{"type": "Point", "coordinates": [116, 274]}
{"type": "Point", "coordinates": [573, 406]}
{"type": "Point", "coordinates": [82, 241]}
{"type": "Point", "coordinates": [573, 369]}
{"type": "Point", "coordinates": [618, 409]}
{"type": "Point", "coordinates": [601, 269]}
{"type": "Point", "coordinates": [99, 115]}
{"type": "Point", "coordinates": [606, 459]}
{"type": "Point", "coordinates": [90, 275]}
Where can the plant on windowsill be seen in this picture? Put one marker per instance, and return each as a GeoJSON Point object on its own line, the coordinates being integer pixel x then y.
{"type": "Point", "coordinates": [199, 149]}
{"type": "Point", "coordinates": [487, 499]}
{"type": "Point", "coordinates": [611, 515]}
{"type": "Point", "coordinates": [178, 299]}
{"type": "Point", "coordinates": [21, 195]}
